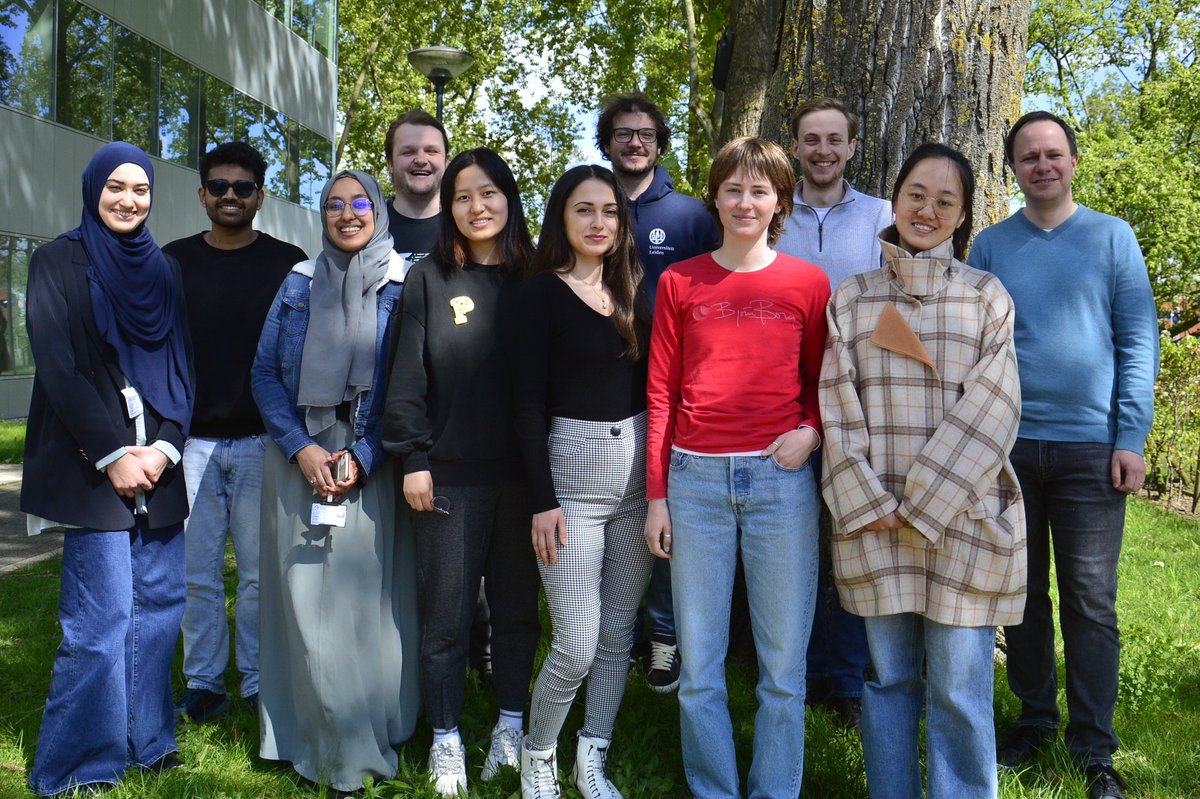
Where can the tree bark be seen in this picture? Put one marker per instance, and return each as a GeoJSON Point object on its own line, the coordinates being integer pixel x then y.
{"type": "Point", "coordinates": [923, 70]}
{"type": "Point", "coordinates": [757, 25]}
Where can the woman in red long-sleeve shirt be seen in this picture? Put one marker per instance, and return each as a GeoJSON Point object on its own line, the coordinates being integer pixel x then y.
{"type": "Point", "coordinates": [735, 352]}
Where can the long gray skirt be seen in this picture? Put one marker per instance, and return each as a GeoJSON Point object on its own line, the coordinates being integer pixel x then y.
{"type": "Point", "coordinates": [338, 627]}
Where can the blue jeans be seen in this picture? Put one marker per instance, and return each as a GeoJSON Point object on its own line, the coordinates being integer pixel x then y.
{"type": "Point", "coordinates": [1070, 504]}
{"type": "Point", "coordinates": [710, 498]}
{"type": "Point", "coordinates": [224, 483]}
{"type": "Point", "coordinates": [660, 605]}
{"type": "Point", "coordinates": [837, 650]}
{"type": "Point", "coordinates": [957, 694]}
{"type": "Point", "coordinates": [109, 704]}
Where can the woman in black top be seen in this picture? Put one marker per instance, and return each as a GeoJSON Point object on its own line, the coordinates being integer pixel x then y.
{"type": "Point", "coordinates": [449, 422]}
{"type": "Point", "coordinates": [580, 358]}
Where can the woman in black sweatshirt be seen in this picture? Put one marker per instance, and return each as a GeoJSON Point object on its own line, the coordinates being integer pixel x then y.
{"type": "Point", "coordinates": [448, 420]}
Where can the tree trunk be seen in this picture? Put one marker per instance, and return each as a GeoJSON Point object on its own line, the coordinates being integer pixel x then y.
{"type": "Point", "coordinates": [924, 70]}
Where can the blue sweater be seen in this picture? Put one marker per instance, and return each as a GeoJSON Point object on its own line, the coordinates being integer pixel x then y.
{"type": "Point", "coordinates": [1086, 330]}
{"type": "Point", "coordinates": [668, 227]}
{"type": "Point", "coordinates": [846, 242]}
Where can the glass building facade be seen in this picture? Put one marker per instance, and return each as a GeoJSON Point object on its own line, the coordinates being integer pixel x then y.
{"type": "Point", "coordinates": [68, 63]}
{"type": "Point", "coordinates": [135, 70]}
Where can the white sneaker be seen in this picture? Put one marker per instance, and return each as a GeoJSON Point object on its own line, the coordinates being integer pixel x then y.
{"type": "Point", "coordinates": [539, 774]}
{"type": "Point", "coordinates": [590, 778]}
{"type": "Point", "coordinates": [504, 751]}
{"type": "Point", "coordinates": [448, 768]}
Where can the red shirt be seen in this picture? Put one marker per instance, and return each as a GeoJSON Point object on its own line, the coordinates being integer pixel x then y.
{"type": "Point", "coordinates": [734, 358]}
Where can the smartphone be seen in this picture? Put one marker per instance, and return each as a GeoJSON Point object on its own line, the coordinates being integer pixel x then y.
{"type": "Point", "coordinates": [342, 469]}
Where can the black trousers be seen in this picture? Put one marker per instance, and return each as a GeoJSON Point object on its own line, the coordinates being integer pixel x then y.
{"type": "Point", "coordinates": [485, 534]}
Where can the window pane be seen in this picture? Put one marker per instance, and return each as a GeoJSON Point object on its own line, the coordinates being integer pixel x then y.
{"type": "Point", "coordinates": [316, 158]}
{"type": "Point", "coordinates": [133, 89]}
{"type": "Point", "coordinates": [84, 61]}
{"type": "Point", "coordinates": [325, 32]}
{"type": "Point", "coordinates": [179, 111]}
{"type": "Point", "coordinates": [22, 356]}
{"type": "Point", "coordinates": [216, 113]}
{"type": "Point", "coordinates": [6, 360]}
{"type": "Point", "coordinates": [276, 7]}
{"type": "Point", "coordinates": [281, 169]}
{"type": "Point", "coordinates": [247, 118]}
{"type": "Point", "coordinates": [304, 18]}
{"type": "Point", "coordinates": [26, 56]}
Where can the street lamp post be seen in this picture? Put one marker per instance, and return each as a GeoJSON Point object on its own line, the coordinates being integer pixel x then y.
{"type": "Point", "coordinates": [440, 65]}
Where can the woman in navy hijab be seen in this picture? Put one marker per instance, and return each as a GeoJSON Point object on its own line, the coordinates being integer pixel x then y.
{"type": "Point", "coordinates": [111, 404]}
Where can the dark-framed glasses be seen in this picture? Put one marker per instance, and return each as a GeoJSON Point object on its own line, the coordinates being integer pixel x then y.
{"type": "Point", "coordinates": [241, 188]}
{"type": "Point", "coordinates": [361, 206]}
{"type": "Point", "coordinates": [645, 135]}
{"type": "Point", "coordinates": [942, 207]}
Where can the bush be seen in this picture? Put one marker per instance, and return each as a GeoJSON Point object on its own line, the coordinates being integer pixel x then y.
{"type": "Point", "coordinates": [1173, 446]}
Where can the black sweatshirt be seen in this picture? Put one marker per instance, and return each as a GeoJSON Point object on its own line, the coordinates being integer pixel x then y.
{"type": "Point", "coordinates": [449, 400]}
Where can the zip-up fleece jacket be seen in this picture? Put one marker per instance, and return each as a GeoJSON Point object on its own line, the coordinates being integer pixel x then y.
{"type": "Point", "coordinates": [668, 227]}
{"type": "Point", "coordinates": [846, 243]}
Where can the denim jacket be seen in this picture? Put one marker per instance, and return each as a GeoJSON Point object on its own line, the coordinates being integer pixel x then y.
{"type": "Point", "coordinates": [275, 376]}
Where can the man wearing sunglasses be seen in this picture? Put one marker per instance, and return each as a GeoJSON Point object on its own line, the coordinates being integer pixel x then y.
{"type": "Point", "coordinates": [632, 133]}
{"type": "Point", "coordinates": [230, 275]}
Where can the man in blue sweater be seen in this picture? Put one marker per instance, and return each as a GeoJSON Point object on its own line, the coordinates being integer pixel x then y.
{"type": "Point", "coordinates": [668, 227]}
{"type": "Point", "coordinates": [1087, 345]}
{"type": "Point", "coordinates": [837, 229]}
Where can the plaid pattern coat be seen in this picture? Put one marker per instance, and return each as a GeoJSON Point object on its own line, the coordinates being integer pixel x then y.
{"type": "Point", "coordinates": [920, 402]}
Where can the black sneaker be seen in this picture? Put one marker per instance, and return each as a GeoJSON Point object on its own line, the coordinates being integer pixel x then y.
{"type": "Point", "coordinates": [1104, 782]}
{"type": "Point", "coordinates": [848, 710]}
{"type": "Point", "coordinates": [252, 702]}
{"type": "Point", "coordinates": [202, 706]}
{"type": "Point", "coordinates": [663, 671]}
{"type": "Point", "coordinates": [1022, 745]}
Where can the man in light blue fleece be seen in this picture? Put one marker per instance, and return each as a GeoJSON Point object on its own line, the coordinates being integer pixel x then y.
{"type": "Point", "coordinates": [832, 225]}
{"type": "Point", "coordinates": [1087, 349]}
{"type": "Point", "coordinates": [835, 228]}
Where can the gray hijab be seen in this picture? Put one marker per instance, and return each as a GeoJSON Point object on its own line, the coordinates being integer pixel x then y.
{"type": "Point", "coordinates": [338, 362]}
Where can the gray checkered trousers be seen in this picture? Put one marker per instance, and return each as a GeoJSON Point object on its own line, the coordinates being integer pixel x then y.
{"type": "Point", "coordinates": [599, 471]}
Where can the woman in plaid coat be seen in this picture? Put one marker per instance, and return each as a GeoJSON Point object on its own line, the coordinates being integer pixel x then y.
{"type": "Point", "coordinates": [920, 403]}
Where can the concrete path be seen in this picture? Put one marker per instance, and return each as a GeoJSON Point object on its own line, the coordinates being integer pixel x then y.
{"type": "Point", "coordinates": [16, 548]}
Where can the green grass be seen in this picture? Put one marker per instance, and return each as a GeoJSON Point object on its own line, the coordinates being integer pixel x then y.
{"type": "Point", "coordinates": [12, 441]}
{"type": "Point", "coordinates": [1158, 716]}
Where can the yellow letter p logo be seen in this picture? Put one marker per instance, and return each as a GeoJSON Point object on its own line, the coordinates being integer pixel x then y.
{"type": "Point", "coordinates": [461, 306]}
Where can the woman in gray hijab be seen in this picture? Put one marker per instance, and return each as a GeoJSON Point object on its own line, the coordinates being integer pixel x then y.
{"type": "Point", "coordinates": [338, 631]}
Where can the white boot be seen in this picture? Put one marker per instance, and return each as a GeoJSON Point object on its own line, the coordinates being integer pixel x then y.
{"type": "Point", "coordinates": [590, 777]}
{"type": "Point", "coordinates": [539, 773]}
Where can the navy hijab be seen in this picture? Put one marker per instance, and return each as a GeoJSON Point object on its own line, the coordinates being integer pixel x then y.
{"type": "Point", "coordinates": [133, 294]}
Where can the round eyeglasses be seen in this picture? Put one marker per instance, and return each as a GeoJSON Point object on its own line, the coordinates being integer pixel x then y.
{"type": "Point", "coordinates": [361, 206]}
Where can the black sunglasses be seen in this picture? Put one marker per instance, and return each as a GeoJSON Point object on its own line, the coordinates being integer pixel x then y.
{"type": "Point", "coordinates": [241, 188]}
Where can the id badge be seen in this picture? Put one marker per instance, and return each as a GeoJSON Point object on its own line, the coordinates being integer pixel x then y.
{"type": "Point", "coordinates": [328, 515]}
{"type": "Point", "coordinates": [133, 402]}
